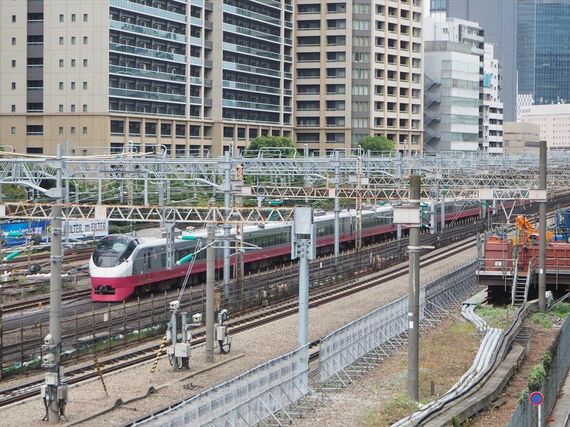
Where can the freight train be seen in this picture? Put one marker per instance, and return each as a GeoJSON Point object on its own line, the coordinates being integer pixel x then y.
{"type": "Point", "coordinates": [122, 265]}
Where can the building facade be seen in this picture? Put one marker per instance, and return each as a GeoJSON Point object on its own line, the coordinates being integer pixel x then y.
{"type": "Point", "coordinates": [452, 97]}
{"type": "Point", "coordinates": [521, 138]}
{"type": "Point", "coordinates": [193, 77]}
{"type": "Point", "coordinates": [490, 109]}
{"type": "Point", "coordinates": [358, 73]}
{"type": "Point", "coordinates": [554, 123]}
{"type": "Point", "coordinates": [188, 77]}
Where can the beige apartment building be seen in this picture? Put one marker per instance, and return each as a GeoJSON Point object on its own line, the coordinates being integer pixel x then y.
{"type": "Point", "coordinates": [358, 72]}
{"type": "Point", "coordinates": [195, 76]}
{"type": "Point", "coordinates": [553, 121]}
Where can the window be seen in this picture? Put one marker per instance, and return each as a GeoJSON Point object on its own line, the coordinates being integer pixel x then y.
{"type": "Point", "coordinates": [73, 39]}
{"type": "Point", "coordinates": [85, 17]}
{"type": "Point", "coordinates": [13, 85]}
{"type": "Point", "coordinates": [61, 40]}
{"type": "Point", "coordinates": [13, 108]}
{"type": "Point", "coordinates": [13, 18]}
{"type": "Point", "coordinates": [60, 85]}
{"type": "Point", "coordinates": [84, 130]}
{"type": "Point", "coordinates": [85, 39]}
{"type": "Point", "coordinates": [73, 130]}
{"type": "Point", "coordinates": [72, 85]}
{"type": "Point", "coordinates": [360, 73]}
{"type": "Point", "coordinates": [84, 108]}
{"type": "Point", "coordinates": [61, 108]}
{"type": "Point", "coordinates": [85, 62]}
{"type": "Point", "coordinates": [73, 62]}
{"type": "Point", "coordinates": [13, 130]}
{"type": "Point", "coordinates": [61, 17]}
{"type": "Point", "coordinates": [13, 41]}
{"type": "Point", "coordinates": [73, 108]}
{"type": "Point", "coordinates": [73, 17]}
{"type": "Point", "coordinates": [60, 130]}
{"type": "Point", "coordinates": [13, 63]}
{"type": "Point", "coordinates": [35, 130]}
{"type": "Point", "coordinates": [84, 85]}
{"type": "Point", "coordinates": [61, 63]}
{"type": "Point", "coordinates": [360, 25]}
{"type": "Point", "coordinates": [359, 90]}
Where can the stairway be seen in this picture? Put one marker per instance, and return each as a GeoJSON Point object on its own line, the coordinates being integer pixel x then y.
{"type": "Point", "coordinates": [520, 290]}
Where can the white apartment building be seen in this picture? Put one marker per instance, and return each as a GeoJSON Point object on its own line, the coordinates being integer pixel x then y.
{"type": "Point", "coordinates": [554, 123]}
{"type": "Point", "coordinates": [490, 109]}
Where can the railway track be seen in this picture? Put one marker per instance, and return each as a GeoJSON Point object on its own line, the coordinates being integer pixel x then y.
{"type": "Point", "coordinates": [318, 296]}
{"type": "Point", "coordinates": [40, 302]}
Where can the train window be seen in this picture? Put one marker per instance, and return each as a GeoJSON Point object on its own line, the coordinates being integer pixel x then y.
{"type": "Point", "coordinates": [113, 250]}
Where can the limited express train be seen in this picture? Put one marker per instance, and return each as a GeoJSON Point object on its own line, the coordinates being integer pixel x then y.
{"type": "Point", "coordinates": [122, 265]}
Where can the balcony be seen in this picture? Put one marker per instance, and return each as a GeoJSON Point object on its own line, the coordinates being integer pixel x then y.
{"type": "Point", "coordinates": [252, 15]}
{"type": "Point", "coordinates": [254, 70]}
{"type": "Point", "coordinates": [255, 106]}
{"type": "Point", "coordinates": [252, 33]}
{"type": "Point", "coordinates": [149, 53]}
{"type": "Point", "coordinates": [146, 74]}
{"type": "Point", "coordinates": [254, 88]}
{"type": "Point", "coordinates": [254, 52]}
{"type": "Point", "coordinates": [147, 95]}
{"type": "Point", "coordinates": [148, 10]}
{"type": "Point", "coordinates": [147, 31]}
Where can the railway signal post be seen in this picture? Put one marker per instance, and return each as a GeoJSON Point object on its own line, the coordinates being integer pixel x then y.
{"type": "Point", "coordinates": [542, 228]}
{"type": "Point", "coordinates": [409, 214]}
{"type": "Point", "coordinates": [210, 279]}
{"type": "Point", "coordinates": [303, 246]}
{"type": "Point", "coordinates": [54, 391]}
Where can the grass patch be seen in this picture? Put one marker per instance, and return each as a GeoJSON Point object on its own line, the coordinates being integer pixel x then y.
{"type": "Point", "coordinates": [561, 311]}
{"type": "Point", "coordinates": [496, 317]}
{"type": "Point", "coordinates": [541, 319]}
{"type": "Point", "coordinates": [397, 409]}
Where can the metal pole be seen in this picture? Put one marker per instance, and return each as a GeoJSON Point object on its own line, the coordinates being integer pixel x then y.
{"type": "Point", "coordinates": [303, 292]}
{"type": "Point", "coordinates": [336, 207]}
{"type": "Point", "coordinates": [227, 227]}
{"type": "Point", "coordinates": [432, 219]}
{"type": "Point", "coordinates": [442, 215]}
{"type": "Point", "coordinates": [55, 297]}
{"type": "Point", "coordinates": [414, 296]}
{"type": "Point", "coordinates": [542, 230]}
{"type": "Point", "coordinates": [210, 272]}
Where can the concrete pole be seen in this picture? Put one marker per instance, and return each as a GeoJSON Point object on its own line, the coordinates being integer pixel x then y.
{"type": "Point", "coordinates": [432, 219]}
{"type": "Point", "coordinates": [542, 230]}
{"type": "Point", "coordinates": [99, 190]}
{"type": "Point", "coordinates": [227, 227]}
{"type": "Point", "coordinates": [414, 296]}
{"type": "Point", "coordinates": [442, 214]}
{"type": "Point", "coordinates": [210, 273]}
{"type": "Point", "coordinates": [55, 295]}
{"type": "Point", "coordinates": [399, 231]}
{"type": "Point", "coordinates": [303, 292]}
{"type": "Point", "coordinates": [337, 207]}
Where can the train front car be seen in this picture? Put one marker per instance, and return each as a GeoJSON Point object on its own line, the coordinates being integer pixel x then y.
{"type": "Point", "coordinates": [110, 268]}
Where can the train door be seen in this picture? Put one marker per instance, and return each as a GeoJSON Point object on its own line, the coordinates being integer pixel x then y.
{"type": "Point", "coordinates": [146, 265]}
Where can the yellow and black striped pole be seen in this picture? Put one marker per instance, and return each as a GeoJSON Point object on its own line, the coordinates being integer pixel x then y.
{"type": "Point", "coordinates": [158, 354]}
{"type": "Point", "coordinates": [100, 373]}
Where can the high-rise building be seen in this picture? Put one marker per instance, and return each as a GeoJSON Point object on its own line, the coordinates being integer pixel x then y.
{"type": "Point", "coordinates": [438, 71]}
{"type": "Point", "coordinates": [544, 50]}
{"type": "Point", "coordinates": [189, 76]}
{"type": "Point", "coordinates": [358, 73]}
{"type": "Point", "coordinates": [532, 45]}
{"type": "Point", "coordinates": [498, 20]}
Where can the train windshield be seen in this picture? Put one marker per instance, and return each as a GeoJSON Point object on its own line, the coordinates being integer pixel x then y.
{"type": "Point", "coordinates": [113, 250]}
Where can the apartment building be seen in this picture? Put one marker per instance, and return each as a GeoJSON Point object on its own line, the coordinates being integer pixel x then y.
{"type": "Point", "coordinates": [191, 77]}
{"type": "Point", "coordinates": [553, 121]}
{"type": "Point", "coordinates": [358, 72]}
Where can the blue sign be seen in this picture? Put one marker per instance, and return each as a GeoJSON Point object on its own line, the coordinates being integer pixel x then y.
{"type": "Point", "coordinates": [15, 233]}
{"type": "Point", "coordinates": [487, 79]}
{"type": "Point", "coordinates": [536, 398]}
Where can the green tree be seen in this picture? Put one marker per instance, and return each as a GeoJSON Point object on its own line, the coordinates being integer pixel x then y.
{"type": "Point", "coordinates": [286, 146]}
{"type": "Point", "coordinates": [377, 143]}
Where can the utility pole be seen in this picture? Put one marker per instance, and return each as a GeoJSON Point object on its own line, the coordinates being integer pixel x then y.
{"type": "Point", "coordinates": [210, 273]}
{"type": "Point", "coordinates": [303, 247]}
{"type": "Point", "coordinates": [336, 164]}
{"type": "Point", "coordinates": [542, 228]}
{"type": "Point", "coordinates": [227, 227]}
{"type": "Point", "coordinates": [54, 392]}
{"type": "Point", "coordinates": [414, 294]}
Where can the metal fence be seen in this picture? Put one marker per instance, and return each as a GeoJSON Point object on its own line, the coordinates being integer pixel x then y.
{"type": "Point", "coordinates": [349, 344]}
{"type": "Point", "coordinates": [525, 414]}
{"type": "Point", "coordinates": [245, 400]}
